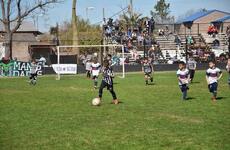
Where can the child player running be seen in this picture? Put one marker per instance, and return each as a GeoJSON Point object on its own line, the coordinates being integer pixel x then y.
{"type": "Point", "coordinates": [33, 73]}
{"type": "Point", "coordinates": [213, 74]}
{"type": "Point", "coordinates": [147, 68]}
{"type": "Point", "coordinates": [183, 79]}
{"type": "Point", "coordinates": [107, 81]}
{"type": "Point", "coordinates": [95, 70]}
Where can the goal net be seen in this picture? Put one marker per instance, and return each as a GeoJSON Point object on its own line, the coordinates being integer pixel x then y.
{"type": "Point", "coordinates": [67, 57]}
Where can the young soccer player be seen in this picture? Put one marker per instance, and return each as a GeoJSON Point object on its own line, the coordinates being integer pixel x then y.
{"type": "Point", "coordinates": [95, 71]}
{"type": "Point", "coordinates": [183, 79]}
{"type": "Point", "coordinates": [191, 67]}
{"type": "Point", "coordinates": [147, 69]}
{"type": "Point", "coordinates": [33, 73]}
{"type": "Point", "coordinates": [88, 68]}
{"type": "Point", "coordinates": [213, 74]}
{"type": "Point", "coordinates": [107, 81]}
{"type": "Point", "coordinates": [228, 70]}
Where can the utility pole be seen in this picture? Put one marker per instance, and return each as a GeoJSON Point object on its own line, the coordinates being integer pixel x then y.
{"type": "Point", "coordinates": [131, 12]}
{"type": "Point", "coordinates": [103, 31]}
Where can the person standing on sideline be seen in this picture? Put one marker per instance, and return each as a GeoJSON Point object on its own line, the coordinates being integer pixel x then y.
{"type": "Point", "coordinates": [191, 65]}
{"type": "Point", "coordinates": [88, 68]}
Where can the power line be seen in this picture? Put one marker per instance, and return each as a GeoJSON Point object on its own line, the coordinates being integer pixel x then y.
{"type": "Point", "coordinates": [117, 13]}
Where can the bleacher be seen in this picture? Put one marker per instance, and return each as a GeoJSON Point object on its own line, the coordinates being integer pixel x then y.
{"type": "Point", "coordinates": [221, 37]}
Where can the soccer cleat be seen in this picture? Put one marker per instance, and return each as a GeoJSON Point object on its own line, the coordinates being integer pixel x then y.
{"type": "Point", "coordinates": [151, 79]}
{"type": "Point", "coordinates": [214, 99]}
{"type": "Point", "coordinates": [115, 101]}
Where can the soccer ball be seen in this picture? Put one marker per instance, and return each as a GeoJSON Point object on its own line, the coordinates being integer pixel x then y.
{"type": "Point", "coordinates": [96, 102]}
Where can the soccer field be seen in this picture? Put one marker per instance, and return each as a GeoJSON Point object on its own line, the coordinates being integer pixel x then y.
{"type": "Point", "coordinates": [58, 115]}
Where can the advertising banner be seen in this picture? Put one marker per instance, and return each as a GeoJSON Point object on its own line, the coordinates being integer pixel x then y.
{"type": "Point", "coordinates": [65, 68]}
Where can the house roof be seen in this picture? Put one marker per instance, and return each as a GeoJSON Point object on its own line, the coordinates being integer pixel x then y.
{"type": "Point", "coordinates": [222, 19]}
{"type": "Point", "coordinates": [26, 26]}
{"type": "Point", "coordinates": [199, 15]}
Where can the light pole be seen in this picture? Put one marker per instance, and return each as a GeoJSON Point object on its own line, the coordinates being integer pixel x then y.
{"type": "Point", "coordinates": [36, 19]}
{"type": "Point", "coordinates": [87, 12]}
{"type": "Point", "coordinates": [87, 15]}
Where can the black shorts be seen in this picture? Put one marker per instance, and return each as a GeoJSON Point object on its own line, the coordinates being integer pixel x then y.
{"type": "Point", "coordinates": [33, 75]}
{"type": "Point", "coordinates": [148, 74]}
{"type": "Point", "coordinates": [94, 77]}
{"type": "Point", "coordinates": [183, 87]}
{"type": "Point", "coordinates": [213, 87]}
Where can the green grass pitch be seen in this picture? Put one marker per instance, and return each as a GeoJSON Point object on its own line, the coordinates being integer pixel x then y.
{"type": "Point", "coordinates": [57, 115]}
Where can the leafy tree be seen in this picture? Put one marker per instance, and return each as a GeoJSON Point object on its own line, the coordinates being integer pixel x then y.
{"type": "Point", "coordinates": [162, 12]}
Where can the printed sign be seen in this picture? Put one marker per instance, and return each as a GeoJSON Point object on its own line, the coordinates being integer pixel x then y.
{"type": "Point", "coordinates": [18, 68]}
{"type": "Point", "coordinates": [65, 68]}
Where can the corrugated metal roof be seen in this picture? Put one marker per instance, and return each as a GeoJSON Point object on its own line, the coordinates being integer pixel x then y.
{"type": "Point", "coordinates": [198, 15]}
{"type": "Point", "coordinates": [222, 19]}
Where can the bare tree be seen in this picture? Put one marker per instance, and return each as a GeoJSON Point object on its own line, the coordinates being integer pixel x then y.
{"type": "Point", "coordinates": [13, 12]}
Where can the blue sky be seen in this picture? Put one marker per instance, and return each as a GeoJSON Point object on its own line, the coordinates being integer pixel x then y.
{"type": "Point", "coordinates": [62, 12]}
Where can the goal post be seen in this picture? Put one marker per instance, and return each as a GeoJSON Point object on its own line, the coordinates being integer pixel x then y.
{"type": "Point", "coordinates": [92, 46]}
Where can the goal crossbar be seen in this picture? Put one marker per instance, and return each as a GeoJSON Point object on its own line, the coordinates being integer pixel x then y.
{"type": "Point", "coordinates": [84, 46]}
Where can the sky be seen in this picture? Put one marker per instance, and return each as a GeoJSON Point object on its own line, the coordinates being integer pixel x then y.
{"type": "Point", "coordinates": [62, 12]}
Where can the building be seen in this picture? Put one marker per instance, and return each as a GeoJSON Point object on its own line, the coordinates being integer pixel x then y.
{"type": "Point", "coordinates": [200, 21]}
{"type": "Point", "coordinates": [25, 44]}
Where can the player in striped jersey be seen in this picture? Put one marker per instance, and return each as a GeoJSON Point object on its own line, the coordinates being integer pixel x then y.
{"type": "Point", "coordinates": [213, 74]}
{"type": "Point", "coordinates": [107, 81]}
{"type": "Point", "coordinates": [147, 68]}
{"type": "Point", "coordinates": [33, 73]}
{"type": "Point", "coordinates": [95, 70]}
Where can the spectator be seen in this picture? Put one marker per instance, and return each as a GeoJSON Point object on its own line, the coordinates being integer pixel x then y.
{"type": "Point", "coordinates": [212, 30]}
{"type": "Point", "coordinates": [228, 31]}
{"type": "Point", "coordinates": [177, 40]}
{"type": "Point", "coordinates": [43, 60]}
{"type": "Point", "coordinates": [216, 43]}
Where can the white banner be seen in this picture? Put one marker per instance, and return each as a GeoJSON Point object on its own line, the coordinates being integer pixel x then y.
{"type": "Point", "coordinates": [65, 68]}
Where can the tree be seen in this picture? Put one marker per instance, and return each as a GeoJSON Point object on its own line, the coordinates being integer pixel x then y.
{"type": "Point", "coordinates": [129, 21]}
{"type": "Point", "coordinates": [162, 12]}
{"type": "Point", "coordinates": [13, 12]}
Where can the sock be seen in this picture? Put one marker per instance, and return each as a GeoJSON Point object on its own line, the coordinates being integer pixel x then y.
{"type": "Point", "coordinates": [184, 95]}
{"type": "Point", "coordinates": [214, 94]}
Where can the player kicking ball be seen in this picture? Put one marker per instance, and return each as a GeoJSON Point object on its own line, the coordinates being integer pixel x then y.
{"type": "Point", "coordinates": [107, 81]}
{"type": "Point", "coordinates": [147, 68]}
{"type": "Point", "coordinates": [213, 74]}
{"type": "Point", "coordinates": [183, 79]}
{"type": "Point", "coordinates": [33, 73]}
{"type": "Point", "coordinates": [95, 70]}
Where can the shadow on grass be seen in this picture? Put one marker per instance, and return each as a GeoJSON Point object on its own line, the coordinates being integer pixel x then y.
{"type": "Point", "coordinates": [220, 98]}
{"type": "Point", "coordinates": [152, 84]}
{"type": "Point", "coordinates": [190, 98]}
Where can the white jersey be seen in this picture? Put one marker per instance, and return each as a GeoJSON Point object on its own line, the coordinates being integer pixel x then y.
{"type": "Point", "coordinates": [33, 68]}
{"type": "Point", "coordinates": [88, 66]}
{"type": "Point", "coordinates": [212, 74]}
{"type": "Point", "coordinates": [183, 75]}
{"type": "Point", "coordinates": [191, 64]}
{"type": "Point", "coordinates": [95, 69]}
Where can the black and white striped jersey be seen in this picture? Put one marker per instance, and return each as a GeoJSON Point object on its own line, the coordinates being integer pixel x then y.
{"type": "Point", "coordinates": [108, 75]}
